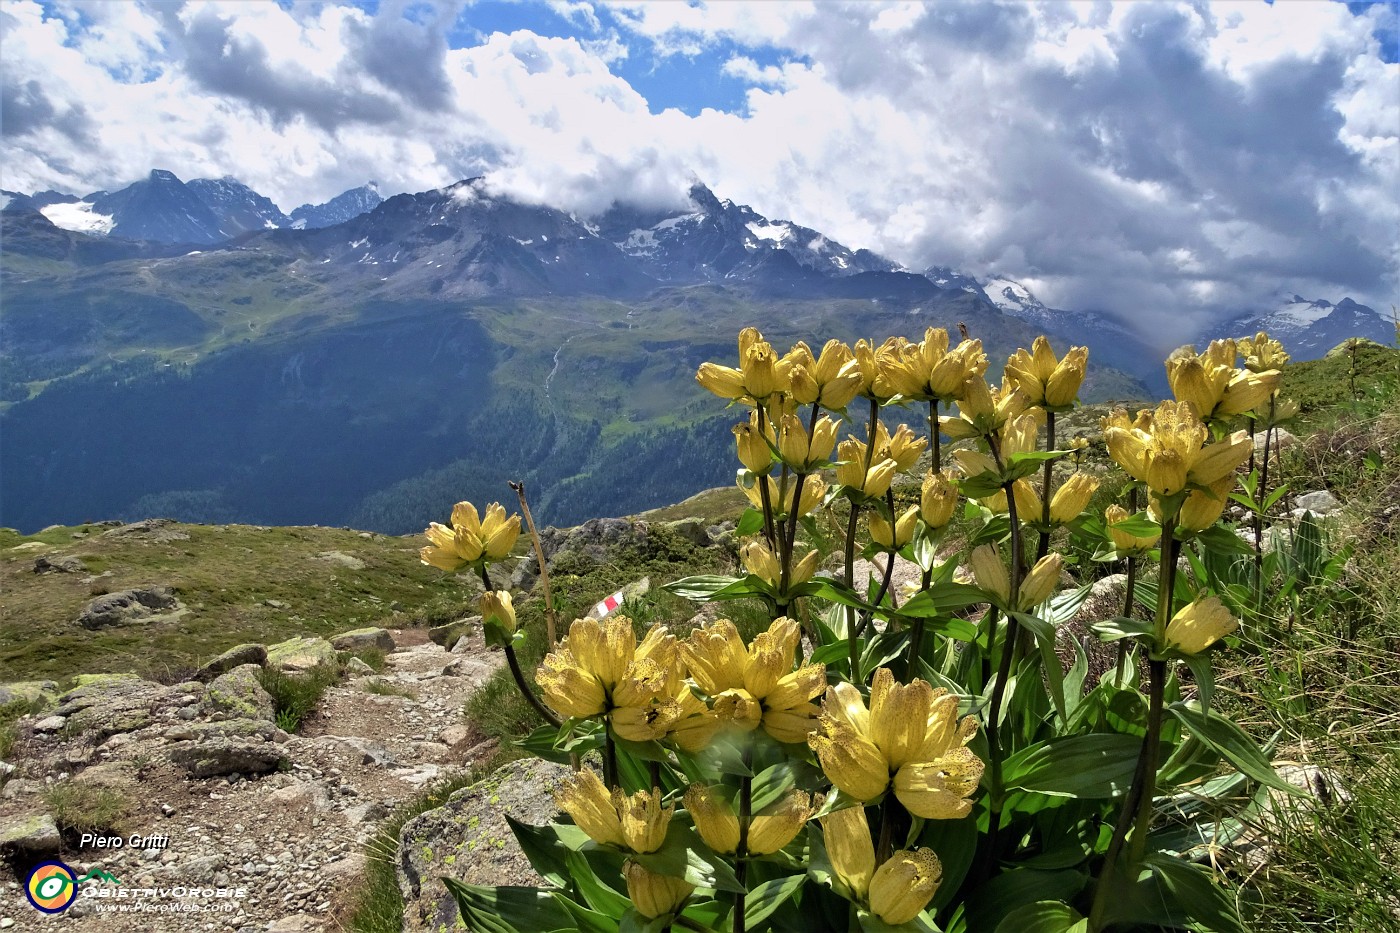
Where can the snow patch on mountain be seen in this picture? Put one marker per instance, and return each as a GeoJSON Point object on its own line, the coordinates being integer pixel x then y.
{"type": "Point", "coordinates": [79, 217]}
{"type": "Point", "coordinates": [1011, 297]}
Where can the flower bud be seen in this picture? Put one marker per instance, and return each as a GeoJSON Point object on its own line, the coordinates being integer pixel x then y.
{"type": "Point", "coordinates": [652, 894]}
{"type": "Point", "coordinates": [754, 452]}
{"type": "Point", "coordinates": [1072, 498]}
{"type": "Point", "coordinates": [1123, 542]}
{"type": "Point", "coordinates": [724, 381]}
{"type": "Point", "coordinates": [593, 807]}
{"type": "Point", "coordinates": [779, 823]}
{"type": "Point", "coordinates": [990, 574]}
{"type": "Point", "coordinates": [937, 500]}
{"type": "Point", "coordinates": [1203, 507]}
{"type": "Point", "coordinates": [902, 887]}
{"type": "Point", "coordinates": [496, 607]}
{"type": "Point", "coordinates": [714, 818]}
{"type": "Point", "coordinates": [760, 561]}
{"type": "Point", "coordinates": [893, 538]}
{"type": "Point", "coordinates": [1199, 625]}
{"type": "Point", "coordinates": [1040, 584]}
{"type": "Point", "coordinates": [850, 849]}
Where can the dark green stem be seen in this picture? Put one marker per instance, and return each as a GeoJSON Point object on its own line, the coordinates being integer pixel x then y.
{"type": "Point", "coordinates": [1043, 547]}
{"type": "Point", "coordinates": [525, 690]}
{"type": "Point", "coordinates": [934, 442]}
{"type": "Point", "coordinates": [916, 639]}
{"type": "Point", "coordinates": [852, 635]}
{"type": "Point", "coordinates": [609, 757]}
{"type": "Point", "coordinates": [1127, 613]}
{"type": "Point", "coordinates": [766, 499]}
{"type": "Point", "coordinates": [741, 855]}
{"type": "Point", "coordinates": [885, 848]}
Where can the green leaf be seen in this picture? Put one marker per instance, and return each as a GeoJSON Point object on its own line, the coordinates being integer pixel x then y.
{"type": "Point", "coordinates": [955, 841]}
{"type": "Point", "coordinates": [1042, 917]}
{"type": "Point", "coordinates": [1044, 634]}
{"type": "Point", "coordinates": [1120, 627]}
{"type": "Point", "coordinates": [1204, 672]}
{"type": "Point", "coordinates": [1084, 766]}
{"type": "Point", "coordinates": [941, 599]}
{"type": "Point", "coordinates": [750, 523]}
{"type": "Point", "coordinates": [590, 921]}
{"type": "Point", "coordinates": [1222, 540]}
{"type": "Point", "coordinates": [760, 903]}
{"type": "Point", "coordinates": [682, 856]}
{"type": "Point", "coordinates": [990, 903]}
{"type": "Point", "coordinates": [700, 587]}
{"type": "Point", "coordinates": [982, 485]}
{"type": "Point", "coordinates": [1231, 742]}
{"type": "Point", "coordinates": [541, 847]}
{"type": "Point", "coordinates": [634, 922]}
{"type": "Point", "coordinates": [508, 909]}
{"type": "Point", "coordinates": [598, 895]}
{"type": "Point", "coordinates": [1207, 903]}
{"type": "Point", "coordinates": [772, 783]}
{"type": "Point", "coordinates": [1139, 525]}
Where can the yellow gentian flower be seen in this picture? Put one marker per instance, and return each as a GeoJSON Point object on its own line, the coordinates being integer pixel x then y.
{"type": "Point", "coordinates": [910, 732]}
{"type": "Point", "coordinates": [1045, 380]}
{"type": "Point", "coordinates": [1199, 625]}
{"type": "Point", "coordinates": [938, 499]}
{"type": "Point", "coordinates": [654, 895]}
{"type": "Point", "coordinates": [471, 538]}
{"type": "Point", "coordinates": [1123, 542]}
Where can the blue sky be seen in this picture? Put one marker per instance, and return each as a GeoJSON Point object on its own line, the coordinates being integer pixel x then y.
{"type": "Point", "coordinates": [1187, 157]}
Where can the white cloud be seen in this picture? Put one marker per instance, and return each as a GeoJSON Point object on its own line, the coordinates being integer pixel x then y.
{"type": "Point", "coordinates": [1169, 160]}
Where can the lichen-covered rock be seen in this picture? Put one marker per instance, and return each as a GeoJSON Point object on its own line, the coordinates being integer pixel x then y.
{"type": "Point", "coordinates": [236, 656]}
{"type": "Point", "coordinates": [239, 694]}
{"type": "Point", "coordinates": [364, 639]}
{"type": "Point", "coordinates": [58, 564]}
{"type": "Point", "coordinates": [140, 604]}
{"type": "Point", "coordinates": [298, 655]}
{"type": "Point", "coordinates": [448, 635]}
{"type": "Point", "coordinates": [30, 833]}
{"type": "Point", "coordinates": [102, 705]}
{"type": "Point", "coordinates": [36, 694]}
{"type": "Point", "coordinates": [469, 839]}
{"type": "Point", "coordinates": [1320, 502]}
{"type": "Point", "coordinates": [237, 746]}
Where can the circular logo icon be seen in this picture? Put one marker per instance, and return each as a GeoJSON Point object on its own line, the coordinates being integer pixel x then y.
{"type": "Point", "coordinates": [51, 888]}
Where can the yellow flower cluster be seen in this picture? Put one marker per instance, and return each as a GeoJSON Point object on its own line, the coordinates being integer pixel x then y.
{"type": "Point", "coordinates": [472, 539]}
{"type": "Point", "coordinates": [645, 690]}
{"type": "Point", "coordinates": [1166, 448]}
{"type": "Point", "coordinates": [897, 890]}
{"type": "Point", "coordinates": [908, 737]}
{"type": "Point", "coordinates": [1212, 384]}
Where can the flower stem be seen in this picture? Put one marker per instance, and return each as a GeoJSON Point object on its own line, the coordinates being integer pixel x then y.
{"type": "Point", "coordinates": [551, 628]}
{"type": "Point", "coordinates": [1043, 547]}
{"type": "Point", "coordinates": [1137, 805]}
{"type": "Point", "coordinates": [609, 757]}
{"type": "Point", "coordinates": [764, 497]}
{"type": "Point", "coordinates": [853, 636]}
{"type": "Point", "coordinates": [935, 452]}
{"type": "Point", "coordinates": [741, 853]}
{"type": "Point", "coordinates": [525, 690]}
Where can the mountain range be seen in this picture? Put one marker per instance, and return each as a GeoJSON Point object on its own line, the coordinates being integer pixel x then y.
{"type": "Point", "coordinates": [189, 349]}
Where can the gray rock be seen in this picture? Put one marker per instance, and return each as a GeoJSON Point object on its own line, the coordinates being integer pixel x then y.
{"type": "Point", "coordinates": [156, 530]}
{"type": "Point", "coordinates": [1280, 440]}
{"type": "Point", "coordinates": [103, 705]}
{"type": "Point", "coordinates": [234, 657]}
{"type": "Point", "coordinates": [219, 756]}
{"type": "Point", "coordinates": [141, 604]}
{"type": "Point", "coordinates": [468, 839]}
{"type": "Point", "coordinates": [371, 753]}
{"type": "Point", "coordinates": [59, 565]}
{"type": "Point", "coordinates": [36, 694]}
{"type": "Point", "coordinates": [449, 634]}
{"type": "Point", "coordinates": [364, 639]}
{"type": "Point", "coordinates": [298, 655]}
{"type": "Point", "coordinates": [50, 724]}
{"type": "Point", "coordinates": [30, 833]}
{"type": "Point", "coordinates": [341, 559]}
{"type": "Point", "coordinates": [239, 694]}
{"type": "Point", "coordinates": [1320, 502]}
{"type": "Point", "coordinates": [691, 529]}
{"type": "Point", "coordinates": [358, 668]}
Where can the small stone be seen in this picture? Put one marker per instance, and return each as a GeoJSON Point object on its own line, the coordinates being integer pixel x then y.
{"type": "Point", "coordinates": [1320, 502]}
{"type": "Point", "coordinates": [50, 724]}
{"type": "Point", "coordinates": [364, 639]}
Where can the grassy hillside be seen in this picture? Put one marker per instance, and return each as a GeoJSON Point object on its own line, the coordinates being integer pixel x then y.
{"type": "Point", "coordinates": [239, 583]}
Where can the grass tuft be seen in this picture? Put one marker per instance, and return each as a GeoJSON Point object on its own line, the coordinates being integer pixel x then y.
{"type": "Point", "coordinates": [296, 696]}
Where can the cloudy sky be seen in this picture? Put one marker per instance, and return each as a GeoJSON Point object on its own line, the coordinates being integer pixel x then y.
{"type": "Point", "coordinates": [1158, 160]}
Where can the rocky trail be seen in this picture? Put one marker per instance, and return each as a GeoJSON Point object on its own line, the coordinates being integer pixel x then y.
{"type": "Point", "coordinates": [231, 823]}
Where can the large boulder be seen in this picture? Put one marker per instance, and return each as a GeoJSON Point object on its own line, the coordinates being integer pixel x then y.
{"type": "Point", "coordinates": [238, 746]}
{"type": "Point", "coordinates": [236, 656]}
{"type": "Point", "coordinates": [140, 604]}
{"type": "Point", "coordinates": [469, 839]}
{"type": "Point", "coordinates": [30, 833]}
{"type": "Point", "coordinates": [364, 639]}
{"type": "Point", "coordinates": [239, 695]}
{"type": "Point", "coordinates": [299, 655]}
{"type": "Point", "coordinates": [102, 705]}
{"type": "Point", "coordinates": [36, 694]}
{"type": "Point", "coordinates": [58, 564]}
{"type": "Point", "coordinates": [448, 634]}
